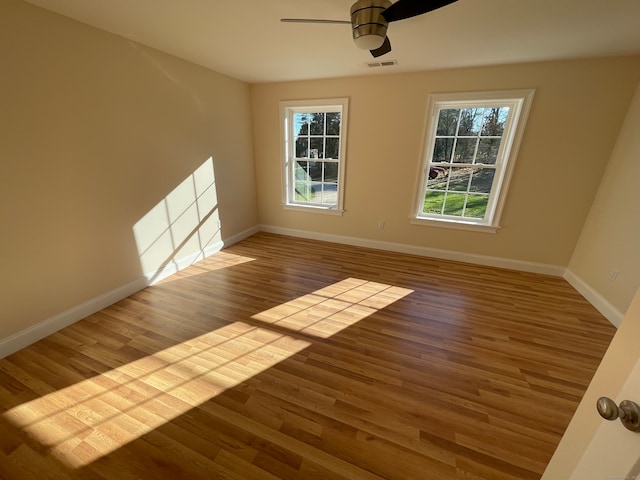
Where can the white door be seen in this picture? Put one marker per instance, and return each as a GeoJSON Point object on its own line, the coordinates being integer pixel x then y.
{"type": "Point", "coordinates": [614, 452]}
{"type": "Point", "coordinates": [593, 448]}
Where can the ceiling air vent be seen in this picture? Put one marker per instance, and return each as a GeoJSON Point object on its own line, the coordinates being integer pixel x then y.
{"type": "Point", "coordinates": [389, 63]}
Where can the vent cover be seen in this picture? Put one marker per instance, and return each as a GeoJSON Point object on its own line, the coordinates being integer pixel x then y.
{"type": "Point", "coordinates": [389, 63]}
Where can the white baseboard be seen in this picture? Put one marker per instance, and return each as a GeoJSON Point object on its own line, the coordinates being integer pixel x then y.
{"type": "Point", "coordinates": [611, 313]}
{"type": "Point", "coordinates": [519, 265]}
{"type": "Point", "coordinates": [51, 325]}
{"type": "Point", "coordinates": [241, 236]}
{"type": "Point", "coordinates": [180, 264]}
{"type": "Point", "coordinates": [175, 266]}
{"type": "Point", "coordinates": [591, 295]}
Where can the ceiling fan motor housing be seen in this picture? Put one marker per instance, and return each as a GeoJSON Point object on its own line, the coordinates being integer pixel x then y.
{"type": "Point", "coordinates": [369, 26]}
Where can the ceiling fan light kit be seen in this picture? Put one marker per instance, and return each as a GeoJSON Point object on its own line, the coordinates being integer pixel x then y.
{"type": "Point", "coordinates": [369, 26]}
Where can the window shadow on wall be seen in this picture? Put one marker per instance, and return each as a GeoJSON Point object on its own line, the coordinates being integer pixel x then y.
{"type": "Point", "coordinates": [182, 228]}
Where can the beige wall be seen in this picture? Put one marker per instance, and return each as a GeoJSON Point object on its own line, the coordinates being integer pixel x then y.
{"type": "Point", "coordinates": [96, 131]}
{"type": "Point", "coordinates": [610, 239]}
{"type": "Point", "coordinates": [577, 113]}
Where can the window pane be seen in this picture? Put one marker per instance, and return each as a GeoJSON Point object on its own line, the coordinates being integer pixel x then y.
{"type": "Point", "coordinates": [302, 148]}
{"type": "Point", "coordinates": [333, 123]}
{"type": "Point", "coordinates": [330, 194]}
{"type": "Point", "coordinates": [316, 193]}
{"type": "Point", "coordinates": [331, 172]}
{"type": "Point", "coordinates": [447, 122]}
{"type": "Point", "coordinates": [470, 121]}
{"type": "Point", "coordinates": [315, 171]}
{"type": "Point", "coordinates": [303, 192]}
{"type": "Point", "coordinates": [437, 178]}
{"type": "Point", "coordinates": [476, 206]}
{"type": "Point", "coordinates": [301, 168]}
{"type": "Point", "coordinates": [459, 180]}
{"type": "Point", "coordinates": [301, 123]}
{"type": "Point", "coordinates": [433, 202]}
{"type": "Point", "coordinates": [488, 150]}
{"type": "Point", "coordinates": [494, 121]}
{"type": "Point", "coordinates": [317, 147]}
{"type": "Point", "coordinates": [317, 124]}
{"type": "Point", "coordinates": [465, 150]}
{"type": "Point", "coordinates": [332, 148]}
{"type": "Point", "coordinates": [442, 150]}
{"type": "Point", "coordinates": [302, 189]}
{"type": "Point", "coordinates": [482, 180]}
{"type": "Point", "coordinates": [454, 203]}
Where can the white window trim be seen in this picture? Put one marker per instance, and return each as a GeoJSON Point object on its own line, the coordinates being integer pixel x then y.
{"type": "Point", "coordinates": [287, 145]}
{"type": "Point", "coordinates": [520, 101]}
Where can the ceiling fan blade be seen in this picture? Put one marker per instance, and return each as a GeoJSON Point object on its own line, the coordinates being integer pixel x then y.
{"type": "Point", "coordinates": [312, 20]}
{"type": "Point", "coordinates": [410, 8]}
{"type": "Point", "coordinates": [384, 48]}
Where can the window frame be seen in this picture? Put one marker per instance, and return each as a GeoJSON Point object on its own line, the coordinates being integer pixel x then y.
{"type": "Point", "coordinates": [287, 109]}
{"type": "Point", "coordinates": [519, 103]}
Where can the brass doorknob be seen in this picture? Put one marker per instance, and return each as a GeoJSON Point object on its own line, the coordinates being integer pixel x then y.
{"type": "Point", "coordinates": [628, 412]}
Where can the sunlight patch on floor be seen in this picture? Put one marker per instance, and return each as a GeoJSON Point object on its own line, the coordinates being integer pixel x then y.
{"type": "Point", "coordinates": [329, 310]}
{"type": "Point", "coordinates": [215, 262]}
{"type": "Point", "coordinates": [86, 421]}
{"type": "Point", "coordinates": [90, 419]}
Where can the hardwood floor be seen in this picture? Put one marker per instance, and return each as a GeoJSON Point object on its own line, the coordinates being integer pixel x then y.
{"type": "Point", "coordinates": [296, 359]}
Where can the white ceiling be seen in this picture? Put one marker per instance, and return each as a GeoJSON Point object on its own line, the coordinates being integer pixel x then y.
{"type": "Point", "coordinates": [245, 39]}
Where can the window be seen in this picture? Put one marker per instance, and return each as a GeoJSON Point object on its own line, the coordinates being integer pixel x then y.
{"type": "Point", "coordinates": [470, 147]}
{"type": "Point", "coordinates": [314, 134]}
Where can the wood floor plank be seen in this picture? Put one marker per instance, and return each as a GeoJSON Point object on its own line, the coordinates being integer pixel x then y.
{"type": "Point", "coordinates": [289, 358]}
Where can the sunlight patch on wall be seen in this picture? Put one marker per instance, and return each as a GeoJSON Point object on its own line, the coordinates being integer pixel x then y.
{"type": "Point", "coordinates": [182, 228]}
{"type": "Point", "coordinates": [329, 310]}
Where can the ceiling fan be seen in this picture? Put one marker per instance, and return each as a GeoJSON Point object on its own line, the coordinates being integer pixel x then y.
{"type": "Point", "coordinates": [370, 18]}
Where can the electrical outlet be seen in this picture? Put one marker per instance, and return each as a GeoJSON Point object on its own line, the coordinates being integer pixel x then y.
{"type": "Point", "coordinates": [380, 224]}
{"type": "Point", "coordinates": [613, 274]}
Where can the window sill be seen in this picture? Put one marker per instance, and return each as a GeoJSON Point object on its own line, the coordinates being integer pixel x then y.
{"type": "Point", "coordinates": [311, 209]}
{"type": "Point", "coordinates": [454, 224]}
